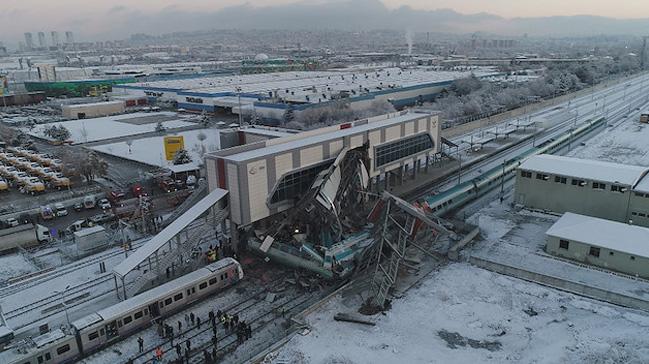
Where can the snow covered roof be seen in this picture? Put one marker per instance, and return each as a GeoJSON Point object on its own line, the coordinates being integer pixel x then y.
{"type": "Point", "coordinates": [86, 321]}
{"type": "Point", "coordinates": [585, 168]}
{"type": "Point", "coordinates": [280, 147]}
{"type": "Point", "coordinates": [630, 239]}
{"type": "Point", "coordinates": [168, 233]}
{"type": "Point", "coordinates": [88, 231]}
{"type": "Point", "coordinates": [642, 185]}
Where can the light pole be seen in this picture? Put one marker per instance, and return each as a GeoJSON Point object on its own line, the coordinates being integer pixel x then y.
{"type": "Point", "coordinates": [240, 112]}
{"type": "Point", "coordinates": [65, 307]}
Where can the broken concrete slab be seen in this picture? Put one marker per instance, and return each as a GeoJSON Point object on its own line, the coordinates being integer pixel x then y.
{"type": "Point", "coordinates": [340, 316]}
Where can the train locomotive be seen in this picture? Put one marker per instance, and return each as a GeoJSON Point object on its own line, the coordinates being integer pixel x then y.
{"type": "Point", "coordinates": [467, 191]}
{"type": "Point", "coordinates": [104, 327]}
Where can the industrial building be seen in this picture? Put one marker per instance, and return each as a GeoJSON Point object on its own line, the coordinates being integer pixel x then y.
{"type": "Point", "coordinates": [601, 189]}
{"type": "Point", "coordinates": [270, 176]}
{"type": "Point", "coordinates": [92, 110]}
{"type": "Point", "coordinates": [271, 95]}
{"type": "Point", "coordinates": [608, 244]}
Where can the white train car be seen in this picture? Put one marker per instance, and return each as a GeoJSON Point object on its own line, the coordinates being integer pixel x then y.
{"type": "Point", "coordinates": [116, 322]}
{"type": "Point", "coordinates": [121, 320]}
{"type": "Point", "coordinates": [53, 347]}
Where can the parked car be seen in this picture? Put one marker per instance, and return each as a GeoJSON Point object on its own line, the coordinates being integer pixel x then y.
{"type": "Point", "coordinates": [89, 202]}
{"type": "Point", "coordinates": [47, 213]}
{"type": "Point", "coordinates": [11, 222]}
{"type": "Point", "coordinates": [115, 196]}
{"type": "Point", "coordinates": [78, 206]}
{"type": "Point", "coordinates": [60, 210]}
{"type": "Point", "coordinates": [104, 204]}
{"type": "Point", "coordinates": [102, 218]}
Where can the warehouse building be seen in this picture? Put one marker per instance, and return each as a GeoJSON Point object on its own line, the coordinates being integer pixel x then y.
{"type": "Point", "coordinates": [601, 189]}
{"type": "Point", "coordinates": [267, 177]}
{"type": "Point", "coordinates": [270, 95]}
{"type": "Point", "coordinates": [603, 243]}
{"type": "Point", "coordinates": [92, 110]}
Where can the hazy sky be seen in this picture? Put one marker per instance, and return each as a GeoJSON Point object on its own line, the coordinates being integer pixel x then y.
{"type": "Point", "coordinates": [18, 16]}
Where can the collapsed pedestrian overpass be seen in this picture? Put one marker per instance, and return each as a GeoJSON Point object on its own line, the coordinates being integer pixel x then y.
{"type": "Point", "coordinates": [172, 246]}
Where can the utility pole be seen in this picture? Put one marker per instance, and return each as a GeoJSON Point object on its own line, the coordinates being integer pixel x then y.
{"type": "Point", "coordinates": [643, 52]}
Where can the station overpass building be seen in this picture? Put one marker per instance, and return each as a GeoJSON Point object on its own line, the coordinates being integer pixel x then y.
{"type": "Point", "coordinates": [268, 177]}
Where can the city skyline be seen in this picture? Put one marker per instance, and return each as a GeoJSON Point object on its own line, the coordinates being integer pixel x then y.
{"type": "Point", "coordinates": [113, 20]}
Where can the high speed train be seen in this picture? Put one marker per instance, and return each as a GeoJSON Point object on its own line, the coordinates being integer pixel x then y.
{"type": "Point", "coordinates": [104, 327]}
{"type": "Point", "coordinates": [467, 191]}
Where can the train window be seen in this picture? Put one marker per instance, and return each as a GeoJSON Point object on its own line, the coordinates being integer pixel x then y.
{"type": "Point", "coordinates": [179, 296]}
{"type": "Point", "coordinates": [93, 336]}
{"type": "Point", "coordinates": [213, 280]}
{"type": "Point", "coordinates": [226, 275]}
{"type": "Point", "coordinates": [119, 323]}
{"type": "Point", "coordinates": [189, 292]}
{"type": "Point", "coordinates": [168, 301]}
{"type": "Point", "coordinates": [146, 311]}
{"type": "Point", "coordinates": [40, 359]}
{"type": "Point", "coordinates": [62, 349]}
{"type": "Point", "coordinates": [193, 289]}
{"type": "Point", "coordinates": [202, 285]}
{"type": "Point", "coordinates": [101, 332]}
{"type": "Point", "coordinates": [127, 320]}
{"type": "Point", "coordinates": [137, 315]}
{"type": "Point", "coordinates": [48, 356]}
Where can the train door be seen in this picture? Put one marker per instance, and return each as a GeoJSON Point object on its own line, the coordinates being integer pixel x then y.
{"type": "Point", "coordinates": [111, 330]}
{"type": "Point", "coordinates": [154, 309]}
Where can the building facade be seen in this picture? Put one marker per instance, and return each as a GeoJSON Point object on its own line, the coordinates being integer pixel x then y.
{"type": "Point", "coordinates": [267, 177]}
{"type": "Point", "coordinates": [603, 243]}
{"type": "Point", "coordinates": [601, 189]}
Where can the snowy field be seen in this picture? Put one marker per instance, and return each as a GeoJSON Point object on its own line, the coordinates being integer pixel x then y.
{"type": "Point", "coordinates": [151, 150]}
{"type": "Point", "coordinates": [627, 144]}
{"type": "Point", "coordinates": [14, 265]}
{"type": "Point", "coordinates": [465, 314]}
{"type": "Point", "coordinates": [96, 129]}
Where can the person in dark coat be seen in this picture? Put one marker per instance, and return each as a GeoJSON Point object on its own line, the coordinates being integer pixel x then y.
{"type": "Point", "coordinates": [179, 351]}
{"type": "Point", "coordinates": [188, 344]}
{"type": "Point", "coordinates": [140, 344]}
{"type": "Point", "coordinates": [198, 322]}
{"type": "Point", "coordinates": [180, 327]}
{"type": "Point", "coordinates": [192, 318]}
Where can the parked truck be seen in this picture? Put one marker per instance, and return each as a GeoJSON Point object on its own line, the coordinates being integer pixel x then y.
{"type": "Point", "coordinates": [24, 236]}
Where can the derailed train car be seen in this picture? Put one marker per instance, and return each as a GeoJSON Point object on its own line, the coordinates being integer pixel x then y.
{"type": "Point", "coordinates": [102, 328]}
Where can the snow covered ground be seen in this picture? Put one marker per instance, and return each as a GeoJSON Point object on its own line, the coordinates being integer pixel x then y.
{"type": "Point", "coordinates": [14, 265]}
{"type": "Point", "coordinates": [627, 144]}
{"type": "Point", "coordinates": [151, 150]}
{"type": "Point", "coordinates": [96, 129]}
{"type": "Point", "coordinates": [464, 314]}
